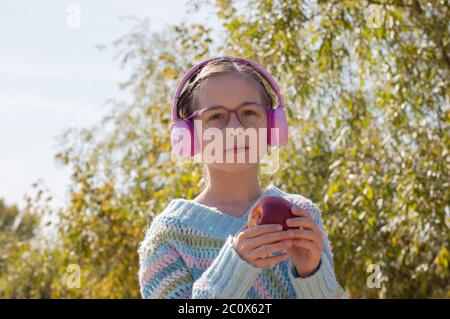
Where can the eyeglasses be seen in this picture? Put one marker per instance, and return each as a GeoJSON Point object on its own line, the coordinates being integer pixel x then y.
{"type": "Point", "coordinates": [249, 115]}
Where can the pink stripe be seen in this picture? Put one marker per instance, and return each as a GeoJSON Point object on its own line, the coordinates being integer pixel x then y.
{"type": "Point", "coordinates": [200, 263]}
{"type": "Point", "coordinates": [168, 258]}
{"type": "Point", "coordinates": [261, 289]}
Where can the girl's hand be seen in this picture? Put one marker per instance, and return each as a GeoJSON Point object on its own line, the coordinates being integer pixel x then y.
{"type": "Point", "coordinates": [307, 243]}
{"type": "Point", "coordinates": [255, 243]}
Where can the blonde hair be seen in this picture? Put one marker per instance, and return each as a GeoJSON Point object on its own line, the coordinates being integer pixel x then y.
{"type": "Point", "coordinates": [217, 68]}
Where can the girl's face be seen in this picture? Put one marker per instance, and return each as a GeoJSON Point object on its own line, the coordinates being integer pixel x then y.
{"type": "Point", "coordinates": [232, 91]}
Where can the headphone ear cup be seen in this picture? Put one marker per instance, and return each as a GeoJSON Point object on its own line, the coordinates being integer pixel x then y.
{"type": "Point", "coordinates": [183, 139]}
{"type": "Point", "coordinates": [277, 127]}
{"type": "Point", "coordinates": [194, 142]}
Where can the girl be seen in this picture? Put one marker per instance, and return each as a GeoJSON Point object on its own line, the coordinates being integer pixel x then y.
{"type": "Point", "coordinates": [201, 248]}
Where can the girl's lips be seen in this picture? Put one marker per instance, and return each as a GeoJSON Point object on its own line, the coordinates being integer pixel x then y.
{"type": "Point", "coordinates": [237, 149]}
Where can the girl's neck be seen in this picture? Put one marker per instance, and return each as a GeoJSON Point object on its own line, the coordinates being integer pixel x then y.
{"type": "Point", "coordinates": [231, 191]}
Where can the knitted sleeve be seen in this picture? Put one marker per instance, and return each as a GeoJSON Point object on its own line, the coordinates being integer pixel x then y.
{"type": "Point", "coordinates": [164, 274]}
{"type": "Point", "coordinates": [323, 282]}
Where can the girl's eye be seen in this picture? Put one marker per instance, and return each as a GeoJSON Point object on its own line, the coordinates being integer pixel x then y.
{"type": "Point", "coordinates": [249, 113]}
{"type": "Point", "coordinates": [215, 117]}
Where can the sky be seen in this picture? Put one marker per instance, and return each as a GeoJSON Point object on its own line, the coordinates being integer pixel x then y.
{"type": "Point", "coordinates": [52, 77]}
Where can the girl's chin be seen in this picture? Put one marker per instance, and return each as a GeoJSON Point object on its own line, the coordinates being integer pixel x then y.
{"type": "Point", "coordinates": [233, 167]}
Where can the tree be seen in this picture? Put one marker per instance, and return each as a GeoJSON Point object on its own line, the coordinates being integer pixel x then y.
{"type": "Point", "coordinates": [369, 119]}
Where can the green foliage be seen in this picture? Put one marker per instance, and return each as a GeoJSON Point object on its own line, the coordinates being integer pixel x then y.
{"type": "Point", "coordinates": [369, 123]}
{"type": "Point", "coordinates": [369, 120]}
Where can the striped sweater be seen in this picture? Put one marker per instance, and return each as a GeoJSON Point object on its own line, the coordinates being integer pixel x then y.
{"type": "Point", "coordinates": [187, 253]}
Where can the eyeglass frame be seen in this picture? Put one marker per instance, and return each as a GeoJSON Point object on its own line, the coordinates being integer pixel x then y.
{"type": "Point", "coordinates": [199, 113]}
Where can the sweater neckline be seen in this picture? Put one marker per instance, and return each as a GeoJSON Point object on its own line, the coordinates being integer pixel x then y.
{"type": "Point", "coordinates": [220, 213]}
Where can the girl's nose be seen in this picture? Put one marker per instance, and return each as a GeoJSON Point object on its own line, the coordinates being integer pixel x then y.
{"type": "Point", "coordinates": [233, 121]}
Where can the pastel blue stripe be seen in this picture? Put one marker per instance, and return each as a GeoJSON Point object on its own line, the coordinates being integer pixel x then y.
{"type": "Point", "coordinates": [160, 251]}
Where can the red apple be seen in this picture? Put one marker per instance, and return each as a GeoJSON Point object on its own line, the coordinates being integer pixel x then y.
{"type": "Point", "coordinates": [270, 210]}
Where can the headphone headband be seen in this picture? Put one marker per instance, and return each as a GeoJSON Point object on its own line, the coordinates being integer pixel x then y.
{"type": "Point", "coordinates": [243, 61]}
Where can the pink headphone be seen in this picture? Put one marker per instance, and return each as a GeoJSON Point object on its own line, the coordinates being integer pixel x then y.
{"type": "Point", "coordinates": [182, 133]}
